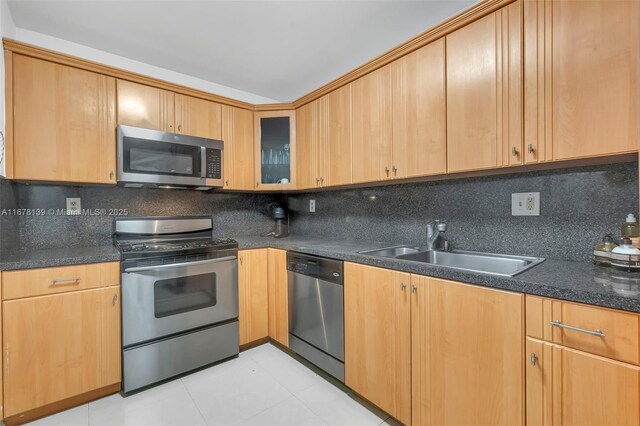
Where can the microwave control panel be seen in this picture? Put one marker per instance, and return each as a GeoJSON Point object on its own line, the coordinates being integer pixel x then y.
{"type": "Point", "coordinates": [214, 164]}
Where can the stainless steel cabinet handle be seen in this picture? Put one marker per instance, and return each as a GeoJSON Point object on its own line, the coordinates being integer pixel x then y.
{"type": "Point", "coordinates": [317, 180]}
{"type": "Point", "coordinates": [386, 170]}
{"type": "Point", "coordinates": [115, 298]}
{"type": "Point", "coordinates": [534, 359]}
{"type": "Point", "coordinates": [530, 148]}
{"type": "Point", "coordinates": [177, 265]}
{"type": "Point", "coordinates": [226, 182]}
{"type": "Point", "coordinates": [413, 288]}
{"type": "Point", "coordinates": [179, 127]}
{"type": "Point", "coordinates": [402, 286]}
{"type": "Point", "coordinates": [111, 174]}
{"type": "Point", "coordinates": [321, 179]}
{"type": "Point", "coordinates": [514, 151]}
{"type": "Point", "coordinates": [598, 333]}
{"type": "Point", "coordinates": [66, 281]}
{"type": "Point", "coordinates": [257, 184]}
{"type": "Point", "coordinates": [395, 170]}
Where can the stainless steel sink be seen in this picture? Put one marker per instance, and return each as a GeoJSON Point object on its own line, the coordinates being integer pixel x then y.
{"type": "Point", "coordinates": [395, 251]}
{"type": "Point", "coordinates": [489, 263]}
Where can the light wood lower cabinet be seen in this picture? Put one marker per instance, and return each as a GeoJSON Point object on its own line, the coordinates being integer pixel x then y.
{"type": "Point", "coordinates": [378, 337]}
{"type": "Point", "coordinates": [476, 349]}
{"type": "Point", "coordinates": [430, 351]}
{"type": "Point", "coordinates": [278, 301]}
{"type": "Point", "coordinates": [253, 295]}
{"type": "Point", "coordinates": [570, 387]}
{"type": "Point", "coordinates": [60, 346]}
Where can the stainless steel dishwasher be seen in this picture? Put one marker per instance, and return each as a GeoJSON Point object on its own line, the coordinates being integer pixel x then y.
{"type": "Point", "coordinates": [316, 311]}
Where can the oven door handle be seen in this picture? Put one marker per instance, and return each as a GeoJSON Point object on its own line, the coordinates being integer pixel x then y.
{"type": "Point", "coordinates": [177, 265]}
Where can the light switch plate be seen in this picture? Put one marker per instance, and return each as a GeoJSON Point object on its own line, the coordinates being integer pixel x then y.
{"type": "Point", "coordinates": [312, 206]}
{"type": "Point", "coordinates": [525, 204]}
{"type": "Point", "coordinates": [73, 206]}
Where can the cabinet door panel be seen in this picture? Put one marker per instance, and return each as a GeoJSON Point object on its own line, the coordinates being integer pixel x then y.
{"type": "Point", "coordinates": [64, 123]}
{"type": "Point", "coordinates": [476, 349]}
{"type": "Point", "coordinates": [308, 139]}
{"type": "Point", "coordinates": [237, 134]}
{"type": "Point", "coordinates": [145, 106]}
{"type": "Point", "coordinates": [60, 346]}
{"type": "Point", "coordinates": [377, 337]}
{"type": "Point", "coordinates": [420, 351]}
{"type": "Point", "coordinates": [278, 301]}
{"type": "Point", "coordinates": [253, 295]}
{"type": "Point", "coordinates": [595, 48]}
{"type": "Point", "coordinates": [419, 112]}
{"type": "Point", "coordinates": [198, 117]}
{"type": "Point", "coordinates": [472, 96]}
{"type": "Point", "coordinates": [371, 126]}
{"type": "Point", "coordinates": [336, 152]}
{"type": "Point", "coordinates": [598, 391]}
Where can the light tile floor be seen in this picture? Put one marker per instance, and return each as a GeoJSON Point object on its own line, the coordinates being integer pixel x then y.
{"type": "Point", "coordinates": [264, 386]}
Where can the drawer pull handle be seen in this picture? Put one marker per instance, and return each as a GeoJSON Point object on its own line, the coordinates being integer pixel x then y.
{"type": "Point", "coordinates": [66, 281]}
{"type": "Point", "coordinates": [598, 333]}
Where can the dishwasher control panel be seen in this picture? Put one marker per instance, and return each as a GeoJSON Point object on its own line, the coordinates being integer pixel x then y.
{"type": "Point", "coordinates": [315, 266]}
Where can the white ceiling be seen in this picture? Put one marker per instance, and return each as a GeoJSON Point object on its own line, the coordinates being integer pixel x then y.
{"type": "Point", "coordinates": [277, 49]}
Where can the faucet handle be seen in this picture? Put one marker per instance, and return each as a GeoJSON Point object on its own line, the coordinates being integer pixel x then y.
{"type": "Point", "coordinates": [441, 226]}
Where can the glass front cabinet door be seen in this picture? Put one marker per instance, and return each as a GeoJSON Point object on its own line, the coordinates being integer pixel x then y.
{"type": "Point", "coordinates": [275, 150]}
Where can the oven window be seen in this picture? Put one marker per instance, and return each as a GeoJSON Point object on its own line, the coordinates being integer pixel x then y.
{"type": "Point", "coordinates": [184, 294]}
{"type": "Point", "coordinates": [153, 157]}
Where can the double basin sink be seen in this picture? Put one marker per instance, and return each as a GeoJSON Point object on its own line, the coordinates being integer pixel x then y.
{"type": "Point", "coordinates": [487, 263]}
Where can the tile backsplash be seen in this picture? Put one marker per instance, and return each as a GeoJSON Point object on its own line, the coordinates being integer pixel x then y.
{"type": "Point", "coordinates": [233, 213]}
{"type": "Point", "coordinates": [578, 206]}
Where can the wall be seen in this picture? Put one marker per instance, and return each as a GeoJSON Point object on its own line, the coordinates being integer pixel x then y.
{"type": "Point", "coordinates": [233, 214]}
{"type": "Point", "coordinates": [578, 206]}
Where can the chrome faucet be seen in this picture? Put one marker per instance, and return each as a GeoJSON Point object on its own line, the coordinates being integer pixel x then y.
{"type": "Point", "coordinates": [434, 229]}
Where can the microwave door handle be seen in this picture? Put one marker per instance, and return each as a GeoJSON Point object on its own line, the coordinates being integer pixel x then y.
{"type": "Point", "coordinates": [177, 265]}
{"type": "Point", "coordinates": [203, 162]}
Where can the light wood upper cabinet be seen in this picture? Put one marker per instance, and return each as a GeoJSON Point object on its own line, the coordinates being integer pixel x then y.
{"type": "Point", "coordinates": [581, 78]}
{"type": "Point", "coordinates": [484, 92]}
{"type": "Point", "coordinates": [378, 337]}
{"type": "Point", "coordinates": [324, 140]}
{"type": "Point", "coordinates": [60, 346]}
{"type": "Point", "coordinates": [275, 150]}
{"type": "Point", "coordinates": [63, 123]}
{"type": "Point", "coordinates": [419, 112]}
{"type": "Point", "coordinates": [145, 106]}
{"type": "Point", "coordinates": [278, 301]}
{"type": "Point", "coordinates": [308, 145]}
{"type": "Point", "coordinates": [371, 126]}
{"type": "Point", "coordinates": [198, 117]}
{"type": "Point", "coordinates": [253, 295]}
{"type": "Point", "coordinates": [237, 134]}
{"type": "Point", "coordinates": [336, 144]}
{"type": "Point", "coordinates": [476, 340]}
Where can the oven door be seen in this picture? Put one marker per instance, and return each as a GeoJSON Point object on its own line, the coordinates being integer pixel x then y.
{"type": "Point", "coordinates": [161, 158]}
{"type": "Point", "coordinates": [158, 301]}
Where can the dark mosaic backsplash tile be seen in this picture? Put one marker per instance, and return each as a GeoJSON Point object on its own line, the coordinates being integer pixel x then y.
{"type": "Point", "coordinates": [233, 214]}
{"type": "Point", "coordinates": [578, 206]}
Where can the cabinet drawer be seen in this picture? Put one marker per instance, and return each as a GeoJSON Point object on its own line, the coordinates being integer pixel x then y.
{"type": "Point", "coordinates": [601, 331]}
{"type": "Point", "coordinates": [39, 282]}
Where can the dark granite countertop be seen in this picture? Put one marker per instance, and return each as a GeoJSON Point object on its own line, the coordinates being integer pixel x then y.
{"type": "Point", "coordinates": [27, 259]}
{"type": "Point", "coordinates": [573, 281]}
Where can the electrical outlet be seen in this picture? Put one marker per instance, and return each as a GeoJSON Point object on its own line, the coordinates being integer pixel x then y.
{"type": "Point", "coordinates": [525, 204]}
{"type": "Point", "coordinates": [312, 206]}
{"type": "Point", "coordinates": [73, 206]}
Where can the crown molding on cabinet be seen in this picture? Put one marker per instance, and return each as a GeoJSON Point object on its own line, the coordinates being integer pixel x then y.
{"type": "Point", "coordinates": [465, 17]}
{"type": "Point", "coordinates": [64, 59]}
{"type": "Point", "coordinates": [473, 13]}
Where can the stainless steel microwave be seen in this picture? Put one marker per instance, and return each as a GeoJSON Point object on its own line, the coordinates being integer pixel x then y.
{"type": "Point", "coordinates": [153, 158]}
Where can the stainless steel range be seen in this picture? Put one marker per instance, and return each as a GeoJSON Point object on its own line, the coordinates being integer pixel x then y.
{"type": "Point", "coordinates": [179, 297]}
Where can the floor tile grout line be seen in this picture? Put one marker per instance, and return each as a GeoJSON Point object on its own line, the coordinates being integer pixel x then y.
{"type": "Point", "coordinates": [204, 420]}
